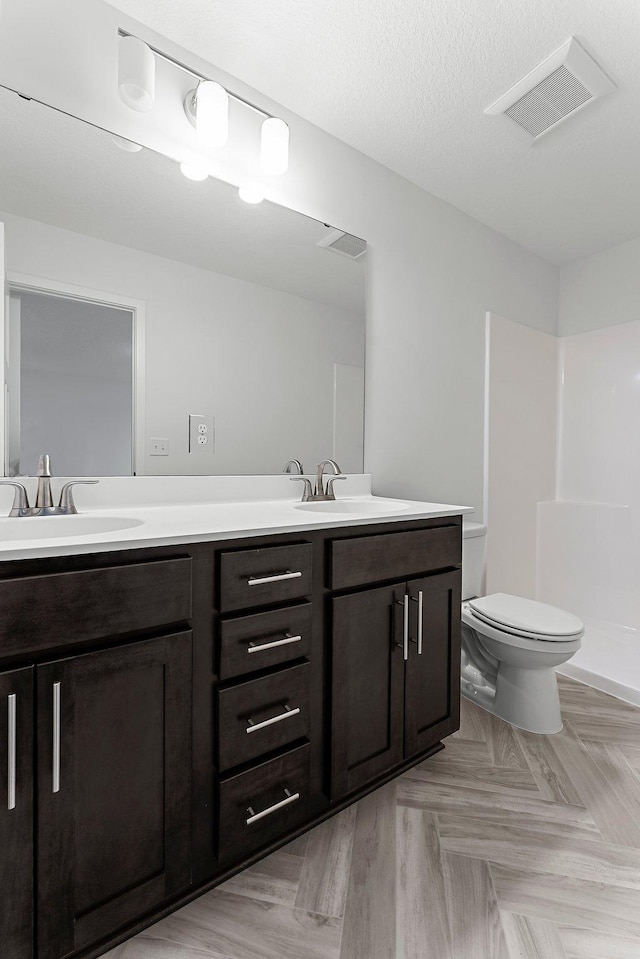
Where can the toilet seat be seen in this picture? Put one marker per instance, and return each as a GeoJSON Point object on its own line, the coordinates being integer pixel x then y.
{"type": "Point", "coordinates": [515, 616]}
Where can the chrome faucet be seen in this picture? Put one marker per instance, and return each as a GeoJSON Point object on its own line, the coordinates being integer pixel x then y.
{"type": "Point", "coordinates": [321, 493]}
{"type": "Point", "coordinates": [44, 497]}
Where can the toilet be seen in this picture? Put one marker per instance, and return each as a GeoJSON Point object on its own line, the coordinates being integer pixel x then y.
{"type": "Point", "coordinates": [511, 646]}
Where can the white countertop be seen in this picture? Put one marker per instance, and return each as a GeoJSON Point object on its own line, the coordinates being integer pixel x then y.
{"type": "Point", "coordinates": [172, 524]}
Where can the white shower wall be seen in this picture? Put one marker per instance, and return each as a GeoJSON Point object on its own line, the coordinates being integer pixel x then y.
{"type": "Point", "coordinates": [562, 498]}
{"type": "Point", "coordinates": [588, 558]}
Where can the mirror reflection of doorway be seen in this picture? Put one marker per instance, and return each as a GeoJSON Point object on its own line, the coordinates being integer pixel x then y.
{"type": "Point", "coordinates": [69, 385]}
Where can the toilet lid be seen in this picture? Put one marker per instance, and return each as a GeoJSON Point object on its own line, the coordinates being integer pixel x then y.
{"type": "Point", "coordinates": [526, 616]}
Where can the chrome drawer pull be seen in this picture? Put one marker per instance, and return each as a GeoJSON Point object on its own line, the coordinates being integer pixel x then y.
{"type": "Point", "coordinates": [11, 751]}
{"type": "Point", "coordinates": [405, 626]}
{"type": "Point", "coordinates": [288, 712]}
{"type": "Point", "coordinates": [255, 816]}
{"type": "Point", "coordinates": [55, 787]}
{"type": "Point", "coordinates": [276, 578]}
{"type": "Point", "coordinates": [420, 620]}
{"type": "Point", "coordinates": [257, 647]}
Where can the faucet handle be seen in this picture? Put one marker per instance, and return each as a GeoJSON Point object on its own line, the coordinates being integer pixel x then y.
{"type": "Point", "coordinates": [297, 466]}
{"type": "Point", "coordinates": [20, 499]}
{"type": "Point", "coordinates": [332, 479]}
{"type": "Point", "coordinates": [66, 504]}
{"type": "Point", "coordinates": [308, 488]}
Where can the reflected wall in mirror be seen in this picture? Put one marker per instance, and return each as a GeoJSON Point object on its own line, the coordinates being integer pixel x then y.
{"type": "Point", "coordinates": [239, 313]}
{"type": "Point", "coordinates": [70, 384]}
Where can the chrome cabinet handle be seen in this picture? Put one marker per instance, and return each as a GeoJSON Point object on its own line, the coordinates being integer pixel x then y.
{"type": "Point", "coordinates": [405, 628]}
{"type": "Point", "coordinates": [420, 620]}
{"type": "Point", "coordinates": [276, 578]}
{"type": "Point", "coordinates": [287, 714]}
{"type": "Point", "coordinates": [56, 740]}
{"type": "Point", "coordinates": [257, 647]}
{"type": "Point", "coordinates": [255, 816]}
{"type": "Point", "coordinates": [11, 751]}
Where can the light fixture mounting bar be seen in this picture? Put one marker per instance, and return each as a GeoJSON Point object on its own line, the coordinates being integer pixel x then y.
{"type": "Point", "coordinates": [193, 73]}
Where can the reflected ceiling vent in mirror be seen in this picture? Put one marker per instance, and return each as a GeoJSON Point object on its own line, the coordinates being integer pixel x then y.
{"type": "Point", "coordinates": [564, 83]}
{"type": "Point", "coordinates": [344, 243]}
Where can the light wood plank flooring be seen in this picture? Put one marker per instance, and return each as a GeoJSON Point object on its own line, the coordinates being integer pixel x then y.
{"type": "Point", "coordinates": [504, 846]}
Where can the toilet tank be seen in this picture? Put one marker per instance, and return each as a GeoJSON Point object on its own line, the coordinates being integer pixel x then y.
{"type": "Point", "coordinates": [474, 545]}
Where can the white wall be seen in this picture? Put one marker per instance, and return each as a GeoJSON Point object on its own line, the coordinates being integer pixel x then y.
{"type": "Point", "coordinates": [433, 272]}
{"type": "Point", "coordinates": [521, 449]}
{"type": "Point", "coordinates": [600, 290]}
{"type": "Point", "coordinates": [214, 345]}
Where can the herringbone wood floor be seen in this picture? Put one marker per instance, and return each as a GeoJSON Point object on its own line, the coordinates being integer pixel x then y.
{"type": "Point", "coordinates": [504, 846]}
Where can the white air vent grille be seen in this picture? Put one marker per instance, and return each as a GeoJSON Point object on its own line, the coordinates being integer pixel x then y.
{"type": "Point", "coordinates": [565, 82]}
{"type": "Point", "coordinates": [548, 103]}
{"type": "Point", "coordinates": [344, 243]}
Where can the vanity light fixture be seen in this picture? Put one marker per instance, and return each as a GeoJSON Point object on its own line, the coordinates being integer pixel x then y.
{"type": "Point", "coordinates": [206, 105]}
{"type": "Point", "coordinates": [274, 146]}
{"type": "Point", "coordinates": [251, 193]}
{"type": "Point", "coordinates": [136, 74]}
{"type": "Point", "coordinates": [194, 169]}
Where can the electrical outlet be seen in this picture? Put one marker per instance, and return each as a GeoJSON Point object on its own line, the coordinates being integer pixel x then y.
{"type": "Point", "coordinates": [158, 446]}
{"type": "Point", "coordinates": [201, 433]}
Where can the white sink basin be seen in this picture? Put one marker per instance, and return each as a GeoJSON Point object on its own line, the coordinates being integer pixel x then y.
{"type": "Point", "coordinates": [51, 527]}
{"type": "Point", "coordinates": [354, 507]}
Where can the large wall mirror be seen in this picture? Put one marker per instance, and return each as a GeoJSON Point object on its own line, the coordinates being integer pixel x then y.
{"type": "Point", "coordinates": [138, 300]}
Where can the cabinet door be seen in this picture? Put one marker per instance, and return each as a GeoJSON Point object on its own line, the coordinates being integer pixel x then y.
{"type": "Point", "coordinates": [16, 814]}
{"type": "Point", "coordinates": [367, 686]}
{"type": "Point", "coordinates": [114, 772]}
{"type": "Point", "coordinates": [432, 694]}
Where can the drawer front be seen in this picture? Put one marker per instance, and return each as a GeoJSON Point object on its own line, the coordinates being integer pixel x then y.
{"type": "Point", "coordinates": [264, 639]}
{"type": "Point", "coordinates": [257, 716]}
{"type": "Point", "coordinates": [40, 612]}
{"type": "Point", "coordinates": [373, 559]}
{"type": "Point", "coordinates": [264, 803]}
{"type": "Point", "coordinates": [261, 577]}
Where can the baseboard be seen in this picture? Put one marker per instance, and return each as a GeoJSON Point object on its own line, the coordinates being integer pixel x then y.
{"type": "Point", "coordinates": [606, 685]}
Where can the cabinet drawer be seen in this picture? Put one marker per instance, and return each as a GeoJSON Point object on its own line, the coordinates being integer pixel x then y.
{"type": "Point", "coordinates": [264, 639]}
{"type": "Point", "coordinates": [262, 714]}
{"type": "Point", "coordinates": [266, 802]}
{"type": "Point", "coordinates": [260, 577]}
{"type": "Point", "coordinates": [372, 559]}
{"type": "Point", "coordinates": [39, 612]}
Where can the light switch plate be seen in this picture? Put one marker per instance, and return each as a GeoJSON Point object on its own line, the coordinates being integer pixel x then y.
{"type": "Point", "coordinates": [158, 446]}
{"type": "Point", "coordinates": [202, 434]}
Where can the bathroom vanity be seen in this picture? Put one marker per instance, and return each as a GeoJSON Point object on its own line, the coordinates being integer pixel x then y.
{"type": "Point", "coordinates": [171, 713]}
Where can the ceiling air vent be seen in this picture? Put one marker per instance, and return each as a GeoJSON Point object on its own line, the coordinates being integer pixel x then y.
{"type": "Point", "coordinates": [344, 243]}
{"type": "Point", "coordinates": [561, 85]}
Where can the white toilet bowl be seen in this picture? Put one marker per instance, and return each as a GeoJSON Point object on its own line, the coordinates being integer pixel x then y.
{"type": "Point", "coordinates": [510, 648]}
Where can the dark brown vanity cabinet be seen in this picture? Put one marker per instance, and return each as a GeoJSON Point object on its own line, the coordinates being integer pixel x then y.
{"type": "Point", "coordinates": [269, 665]}
{"type": "Point", "coordinates": [395, 655]}
{"type": "Point", "coordinates": [114, 788]}
{"type": "Point", "coordinates": [168, 715]}
{"type": "Point", "coordinates": [95, 748]}
{"type": "Point", "coordinates": [16, 814]}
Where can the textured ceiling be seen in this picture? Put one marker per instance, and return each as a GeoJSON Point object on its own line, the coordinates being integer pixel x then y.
{"type": "Point", "coordinates": [406, 83]}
